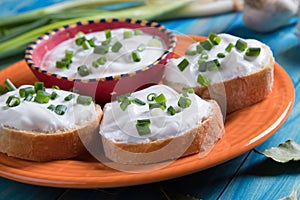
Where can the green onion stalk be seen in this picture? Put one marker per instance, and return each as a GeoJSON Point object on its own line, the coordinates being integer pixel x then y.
{"type": "Point", "coordinates": [19, 42]}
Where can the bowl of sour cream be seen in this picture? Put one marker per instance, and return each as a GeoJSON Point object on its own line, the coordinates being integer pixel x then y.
{"type": "Point", "coordinates": [103, 58]}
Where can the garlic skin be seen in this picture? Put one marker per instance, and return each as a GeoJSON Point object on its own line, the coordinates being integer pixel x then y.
{"type": "Point", "coordinates": [268, 15]}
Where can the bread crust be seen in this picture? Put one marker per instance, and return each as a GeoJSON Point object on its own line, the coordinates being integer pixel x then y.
{"type": "Point", "coordinates": [242, 91]}
{"type": "Point", "coordinates": [201, 138]}
{"type": "Point", "coordinates": [48, 146]}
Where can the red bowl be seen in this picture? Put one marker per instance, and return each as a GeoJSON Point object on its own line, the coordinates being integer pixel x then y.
{"type": "Point", "coordinates": [102, 89]}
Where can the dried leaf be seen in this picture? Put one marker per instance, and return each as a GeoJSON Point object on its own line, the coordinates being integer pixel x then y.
{"type": "Point", "coordinates": [285, 152]}
{"type": "Point", "coordinates": [292, 196]}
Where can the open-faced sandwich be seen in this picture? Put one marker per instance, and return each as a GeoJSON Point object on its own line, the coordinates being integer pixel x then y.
{"type": "Point", "coordinates": [241, 69]}
{"type": "Point", "coordinates": [42, 124]}
{"type": "Point", "coordinates": [158, 124]}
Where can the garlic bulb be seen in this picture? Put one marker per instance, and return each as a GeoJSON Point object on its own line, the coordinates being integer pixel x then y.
{"type": "Point", "coordinates": [268, 15]}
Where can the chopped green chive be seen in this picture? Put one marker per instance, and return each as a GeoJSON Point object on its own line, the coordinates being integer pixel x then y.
{"type": "Point", "coordinates": [124, 101]}
{"type": "Point", "coordinates": [184, 102]}
{"type": "Point", "coordinates": [141, 47]}
{"type": "Point", "coordinates": [138, 102]}
{"type": "Point", "coordinates": [55, 87]}
{"type": "Point", "coordinates": [24, 92]}
{"type": "Point", "coordinates": [85, 45]}
{"type": "Point", "coordinates": [187, 90]}
{"type": "Point", "coordinates": [103, 49]}
{"type": "Point", "coordinates": [161, 105]}
{"type": "Point", "coordinates": [42, 97]}
{"type": "Point", "coordinates": [95, 64]}
{"type": "Point", "coordinates": [202, 66]}
{"type": "Point", "coordinates": [29, 97]}
{"type": "Point", "coordinates": [160, 98]}
{"type": "Point", "coordinates": [79, 41]}
{"type": "Point", "coordinates": [215, 39]}
{"type": "Point", "coordinates": [151, 96]}
{"type": "Point", "coordinates": [3, 90]}
{"type": "Point", "coordinates": [69, 97]}
{"type": "Point", "coordinates": [241, 45]}
{"type": "Point", "coordinates": [229, 47]}
{"type": "Point", "coordinates": [127, 34]}
{"type": "Point", "coordinates": [191, 52]}
{"type": "Point", "coordinates": [253, 52]}
{"type": "Point", "coordinates": [221, 55]}
{"type": "Point", "coordinates": [60, 109]}
{"type": "Point", "coordinates": [207, 45]}
{"type": "Point", "coordinates": [51, 107]}
{"type": "Point", "coordinates": [213, 65]}
{"type": "Point", "coordinates": [203, 80]}
{"type": "Point", "coordinates": [83, 70]}
{"type": "Point", "coordinates": [13, 101]}
{"type": "Point", "coordinates": [107, 33]}
{"type": "Point", "coordinates": [138, 32]}
{"type": "Point", "coordinates": [53, 95]}
{"type": "Point", "coordinates": [116, 46]}
{"type": "Point", "coordinates": [102, 60]}
{"type": "Point", "coordinates": [135, 56]}
{"type": "Point", "coordinates": [69, 54]}
{"type": "Point", "coordinates": [84, 100]}
{"type": "Point", "coordinates": [143, 126]}
{"type": "Point", "coordinates": [106, 42]}
{"type": "Point", "coordinates": [199, 48]}
{"type": "Point", "coordinates": [171, 110]}
{"type": "Point", "coordinates": [92, 42]}
{"type": "Point", "coordinates": [61, 64]}
{"type": "Point", "coordinates": [204, 55]}
{"type": "Point", "coordinates": [9, 85]}
{"type": "Point", "coordinates": [183, 64]}
{"type": "Point", "coordinates": [39, 86]}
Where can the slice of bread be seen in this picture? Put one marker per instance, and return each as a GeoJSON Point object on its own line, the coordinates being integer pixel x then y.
{"type": "Point", "coordinates": [249, 81]}
{"type": "Point", "coordinates": [45, 145]}
{"type": "Point", "coordinates": [199, 137]}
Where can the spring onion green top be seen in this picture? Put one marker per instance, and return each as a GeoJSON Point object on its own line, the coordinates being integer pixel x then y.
{"type": "Point", "coordinates": [104, 53]}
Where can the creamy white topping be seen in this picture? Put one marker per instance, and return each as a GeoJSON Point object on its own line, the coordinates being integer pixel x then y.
{"type": "Point", "coordinates": [32, 116]}
{"type": "Point", "coordinates": [117, 63]}
{"type": "Point", "coordinates": [234, 64]}
{"type": "Point", "coordinates": [120, 126]}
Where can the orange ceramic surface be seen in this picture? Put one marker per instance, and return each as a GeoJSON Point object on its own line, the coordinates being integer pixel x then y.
{"type": "Point", "coordinates": [245, 129]}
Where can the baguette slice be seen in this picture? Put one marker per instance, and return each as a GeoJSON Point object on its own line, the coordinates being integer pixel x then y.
{"type": "Point", "coordinates": [234, 91]}
{"type": "Point", "coordinates": [200, 139]}
{"type": "Point", "coordinates": [44, 145]}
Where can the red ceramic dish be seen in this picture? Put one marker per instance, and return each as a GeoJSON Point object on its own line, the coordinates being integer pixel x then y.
{"type": "Point", "coordinates": [100, 88]}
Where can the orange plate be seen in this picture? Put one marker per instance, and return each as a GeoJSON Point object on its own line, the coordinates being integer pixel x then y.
{"type": "Point", "coordinates": [245, 129]}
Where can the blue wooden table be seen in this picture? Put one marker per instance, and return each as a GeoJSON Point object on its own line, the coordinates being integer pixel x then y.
{"type": "Point", "coordinates": [248, 176]}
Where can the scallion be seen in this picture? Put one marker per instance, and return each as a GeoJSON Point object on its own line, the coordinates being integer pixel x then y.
{"type": "Point", "coordinates": [143, 126]}
{"type": "Point", "coordinates": [171, 110]}
{"type": "Point", "coordinates": [102, 49]}
{"type": "Point", "coordinates": [69, 97]}
{"type": "Point", "coordinates": [85, 45]}
{"type": "Point", "coordinates": [92, 42]}
{"type": "Point", "coordinates": [184, 102]}
{"type": "Point", "coordinates": [51, 107]}
{"type": "Point", "coordinates": [53, 95]}
{"type": "Point", "coordinates": [186, 90]}
{"type": "Point", "coordinates": [151, 96]}
{"type": "Point", "coordinates": [160, 98]}
{"type": "Point", "coordinates": [127, 34]}
{"type": "Point", "coordinates": [135, 56]}
{"type": "Point", "coordinates": [69, 54]}
{"type": "Point", "coordinates": [13, 101]}
{"type": "Point", "coordinates": [9, 85]}
{"type": "Point", "coordinates": [107, 34]}
{"type": "Point", "coordinates": [24, 92]}
{"type": "Point", "coordinates": [161, 105]}
{"type": "Point", "coordinates": [241, 45]}
{"type": "Point", "coordinates": [138, 102]}
{"type": "Point", "coordinates": [214, 38]}
{"type": "Point", "coordinates": [253, 52]}
{"type": "Point", "coordinates": [3, 90]}
{"type": "Point", "coordinates": [213, 65]}
{"type": "Point", "coordinates": [191, 52]}
{"type": "Point", "coordinates": [83, 70]}
{"type": "Point", "coordinates": [221, 55]}
{"type": "Point", "coordinates": [138, 32]}
{"type": "Point", "coordinates": [84, 100]}
{"type": "Point", "coordinates": [207, 45]}
{"type": "Point", "coordinates": [42, 97]}
{"type": "Point", "coordinates": [183, 64]}
{"type": "Point", "coordinates": [39, 86]}
{"type": "Point", "coordinates": [229, 47]}
{"type": "Point", "coordinates": [60, 109]}
{"type": "Point", "coordinates": [141, 47]}
{"type": "Point", "coordinates": [56, 87]}
{"type": "Point", "coordinates": [203, 80]}
{"type": "Point", "coordinates": [116, 47]}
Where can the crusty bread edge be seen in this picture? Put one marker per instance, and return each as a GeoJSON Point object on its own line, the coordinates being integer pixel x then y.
{"type": "Point", "coordinates": [48, 146]}
{"type": "Point", "coordinates": [201, 138]}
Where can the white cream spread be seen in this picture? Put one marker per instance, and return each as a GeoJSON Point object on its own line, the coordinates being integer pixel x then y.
{"type": "Point", "coordinates": [117, 62]}
{"type": "Point", "coordinates": [120, 126]}
{"type": "Point", "coordinates": [36, 117]}
{"type": "Point", "coordinates": [234, 64]}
